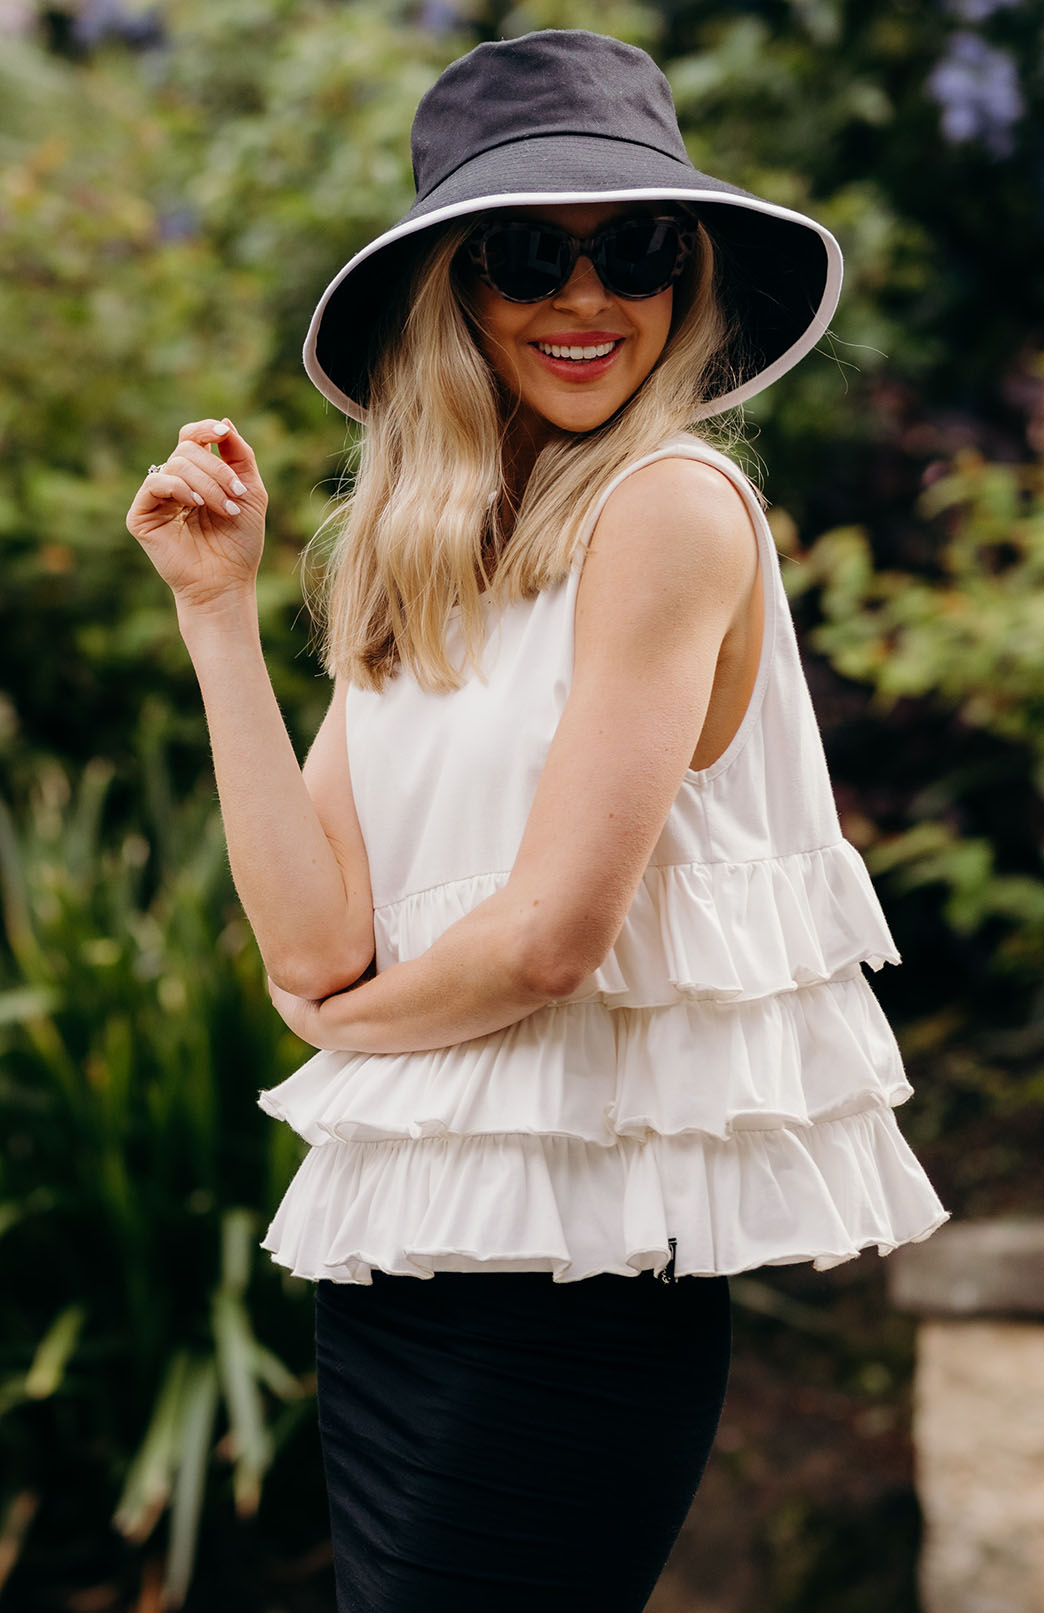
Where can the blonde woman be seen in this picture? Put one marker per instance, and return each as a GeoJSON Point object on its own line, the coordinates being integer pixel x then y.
{"type": "Point", "coordinates": [560, 895]}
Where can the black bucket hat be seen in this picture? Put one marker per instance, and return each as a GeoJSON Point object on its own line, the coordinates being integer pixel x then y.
{"type": "Point", "coordinates": [569, 116]}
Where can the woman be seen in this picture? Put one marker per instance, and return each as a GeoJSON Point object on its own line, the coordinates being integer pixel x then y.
{"type": "Point", "coordinates": [571, 801]}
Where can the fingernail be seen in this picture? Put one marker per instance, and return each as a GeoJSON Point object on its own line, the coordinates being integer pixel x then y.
{"type": "Point", "coordinates": [237, 486]}
{"type": "Point", "coordinates": [232, 509]}
{"type": "Point", "coordinates": [198, 498]}
{"type": "Point", "coordinates": [219, 431]}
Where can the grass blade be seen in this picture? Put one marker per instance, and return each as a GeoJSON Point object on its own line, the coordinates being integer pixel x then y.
{"type": "Point", "coordinates": [195, 1437]}
{"type": "Point", "coordinates": [237, 1249]}
{"type": "Point", "coordinates": [275, 1375]}
{"type": "Point", "coordinates": [52, 1353]}
{"type": "Point", "coordinates": [250, 1442]}
{"type": "Point", "coordinates": [150, 1478]}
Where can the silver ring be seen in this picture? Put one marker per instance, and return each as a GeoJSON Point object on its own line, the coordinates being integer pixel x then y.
{"type": "Point", "coordinates": [154, 468]}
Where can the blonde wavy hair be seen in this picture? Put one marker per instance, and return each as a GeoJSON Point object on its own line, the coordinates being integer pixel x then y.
{"type": "Point", "coordinates": [426, 525]}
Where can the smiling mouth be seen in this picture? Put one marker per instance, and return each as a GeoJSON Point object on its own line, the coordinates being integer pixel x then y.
{"type": "Point", "coordinates": [577, 354]}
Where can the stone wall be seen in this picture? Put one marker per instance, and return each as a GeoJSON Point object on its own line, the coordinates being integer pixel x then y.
{"type": "Point", "coordinates": [978, 1413]}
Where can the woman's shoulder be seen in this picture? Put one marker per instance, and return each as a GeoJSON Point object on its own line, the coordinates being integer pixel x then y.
{"type": "Point", "coordinates": [675, 522]}
{"type": "Point", "coordinates": [684, 486]}
{"type": "Point", "coordinates": [684, 477]}
{"type": "Point", "coordinates": [686, 469]}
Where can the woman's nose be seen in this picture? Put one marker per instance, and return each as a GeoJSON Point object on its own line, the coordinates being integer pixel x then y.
{"type": "Point", "coordinates": [583, 288]}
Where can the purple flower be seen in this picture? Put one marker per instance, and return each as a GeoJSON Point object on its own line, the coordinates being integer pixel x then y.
{"type": "Point", "coordinates": [98, 20]}
{"type": "Point", "coordinates": [978, 10]}
{"type": "Point", "coordinates": [977, 87]}
{"type": "Point", "coordinates": [439, 16]}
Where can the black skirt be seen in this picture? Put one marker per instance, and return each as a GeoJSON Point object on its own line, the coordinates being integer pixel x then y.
{"type": "Point", "coordinates": [496, 1441]}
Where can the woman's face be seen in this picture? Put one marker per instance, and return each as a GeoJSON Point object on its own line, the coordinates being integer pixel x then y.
{"type": "Point", "coordinates": [565, 394]}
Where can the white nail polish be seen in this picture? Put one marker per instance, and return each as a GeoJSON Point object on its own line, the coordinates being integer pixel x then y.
{"type": "Point", "coordinates": [232, 509]}
{"type": "Point", "coordinates": [238, 486]}
{"type": "Point", "coordinates": [220, 431]}
{"type": "Point", "coordinates": [198, 498]}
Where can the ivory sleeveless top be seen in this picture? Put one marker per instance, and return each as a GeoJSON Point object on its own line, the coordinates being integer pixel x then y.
{"type": "Point", "coordinates": [720, 1092]}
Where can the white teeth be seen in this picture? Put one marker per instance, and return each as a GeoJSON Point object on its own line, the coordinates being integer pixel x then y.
{"type": "Point", "coordinates": [578, 353]}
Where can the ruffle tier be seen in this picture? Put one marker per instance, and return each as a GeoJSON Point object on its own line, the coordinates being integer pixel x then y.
{"type": "Point", "coordinates": [727, 931]}
{"type": "Point", "coordinates": [726, 1079]}
{"type": "Point", "coordinates": [560, 1204]}
{"type": "Point", "coordinates": [598, 1075]}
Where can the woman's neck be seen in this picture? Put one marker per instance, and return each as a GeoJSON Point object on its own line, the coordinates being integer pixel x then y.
{"type": "Point", "coordinates": [523, 441]}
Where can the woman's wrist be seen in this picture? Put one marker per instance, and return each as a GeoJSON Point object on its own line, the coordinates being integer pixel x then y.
{"type": "Point", "coordinates": [231, 611]}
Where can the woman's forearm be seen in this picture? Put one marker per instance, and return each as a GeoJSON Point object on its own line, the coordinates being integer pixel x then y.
{"type": "Point", "coordinates": [285, 871]}
{"type": "Point", "coordinates": [487, 971]}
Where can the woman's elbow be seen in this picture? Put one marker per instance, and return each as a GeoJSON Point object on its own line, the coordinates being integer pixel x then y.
{"type": "Point", "coordinates": [317, 978]}
{"type": "Point", "coordinates": [556, 965]}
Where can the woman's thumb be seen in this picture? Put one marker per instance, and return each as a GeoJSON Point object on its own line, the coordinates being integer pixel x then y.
{"type": "Point", "coordinates": [234, 449]}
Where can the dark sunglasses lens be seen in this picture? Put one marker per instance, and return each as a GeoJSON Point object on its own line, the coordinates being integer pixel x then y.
{"type": "Point", "coordinates": [526, 262]}
{"type": "Point", "coordinates": [640, 258]}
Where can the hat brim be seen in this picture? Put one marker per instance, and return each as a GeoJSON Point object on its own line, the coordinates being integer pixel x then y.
{"type": "Point", "coordinates": [782, 271]}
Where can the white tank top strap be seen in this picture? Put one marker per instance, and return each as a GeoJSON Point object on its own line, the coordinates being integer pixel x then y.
{"type": "Point", "coordinates": [686, 446]}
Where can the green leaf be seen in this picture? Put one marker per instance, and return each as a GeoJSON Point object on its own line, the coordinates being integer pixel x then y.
{"type": "Point", "coordinates": [149, 1482]}
{"type": "Point", "coordinates": [275, 1375]}
{"type": "Point", "coordinates": [47, 1372]}
{"type": "Point", "coordinates": [194, 1440]}
{"type": "Point", "coordinates": [237, 1249]}
{"type": "Point", "coordinates": [251, 1445]}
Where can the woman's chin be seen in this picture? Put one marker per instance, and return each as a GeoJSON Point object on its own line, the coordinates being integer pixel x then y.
{"type": "Point", "coordinates": [577, 416]}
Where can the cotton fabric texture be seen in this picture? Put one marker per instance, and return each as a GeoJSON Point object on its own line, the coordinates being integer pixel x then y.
{"type": "Point", "coordinates": [504, 1444]}
{"type": "Point", "coordinates": [726, 1078]}
{"type": "Point", "coordinates": [565, 115]}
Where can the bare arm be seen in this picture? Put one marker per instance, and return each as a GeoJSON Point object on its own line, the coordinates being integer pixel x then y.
{"type": "Point", "coordinates": [302, 877]}
{"type": "Point", "coordinates": [672, 562]}
{"type": "Point", "coordinates": [299, 864]}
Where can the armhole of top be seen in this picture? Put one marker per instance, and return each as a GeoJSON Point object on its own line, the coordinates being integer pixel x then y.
{"type": "Point", "coordinates": [687, 447]}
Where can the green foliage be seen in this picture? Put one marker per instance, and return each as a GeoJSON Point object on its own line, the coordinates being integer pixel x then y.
{"type": "Point", "coordinates": [122, 319]}
{"type": "Point", "coordinates": [46, 1371]}
{"type": "Point", "coordinates": [136, 1032]}
{"type": "Point", "coordinates": [972, 633]}
{"type": "Point", "coordinates": [969, 634]}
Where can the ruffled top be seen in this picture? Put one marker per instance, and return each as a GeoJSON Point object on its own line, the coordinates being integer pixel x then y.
{"type": "Point", "coordinates": [725, 1080]}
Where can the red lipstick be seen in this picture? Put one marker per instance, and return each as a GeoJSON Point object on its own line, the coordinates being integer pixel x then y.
{"type": "Point", "coordinates": [580, 338]}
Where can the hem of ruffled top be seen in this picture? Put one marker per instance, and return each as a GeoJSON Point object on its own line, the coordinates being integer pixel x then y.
{"type": "Point", "coordinates": [823, 1194]}
{"type": "Point", "coordinates": [429, 1264]}
{"type": "Point", "coordinates": [730, 931]}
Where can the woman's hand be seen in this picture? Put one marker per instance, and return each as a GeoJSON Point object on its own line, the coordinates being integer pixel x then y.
{"type": "Point", "coordinates": [306, 1019]}
{"type": "Point", "coordinates": [322, 1022]}
{"type": "Point", "coordinates": [201, 518]}
{"type": "Point", "coordinates": [299, 1014]}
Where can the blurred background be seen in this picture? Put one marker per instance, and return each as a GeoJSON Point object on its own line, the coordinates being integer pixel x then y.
{"type": "Point", "coordinates": [178, 182]}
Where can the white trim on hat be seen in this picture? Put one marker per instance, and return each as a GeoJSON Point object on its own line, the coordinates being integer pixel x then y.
{"type": "Point", "coordinates": [757, 383]}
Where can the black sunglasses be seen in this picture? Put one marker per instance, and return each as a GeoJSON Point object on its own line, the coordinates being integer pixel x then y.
{"type": "Point", "coordinates": [634, 257]}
